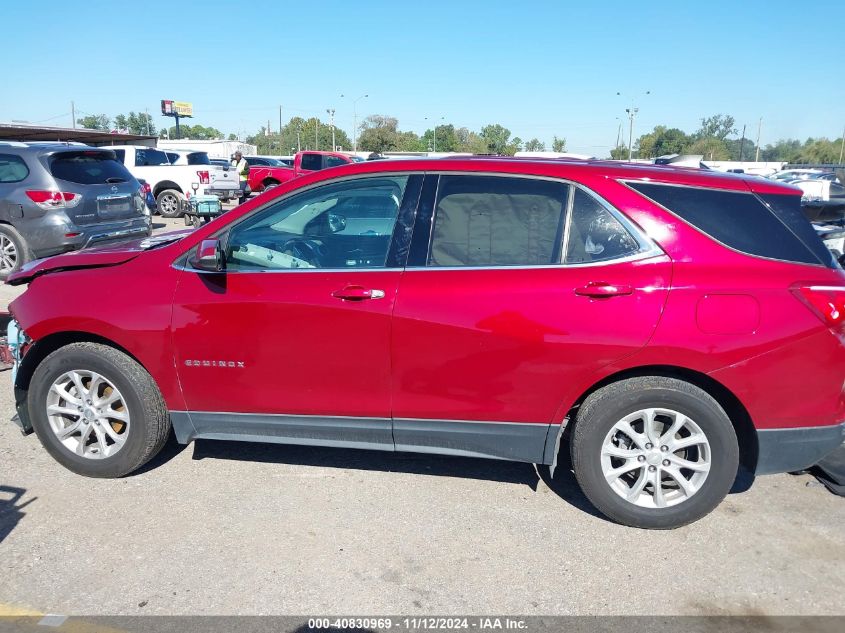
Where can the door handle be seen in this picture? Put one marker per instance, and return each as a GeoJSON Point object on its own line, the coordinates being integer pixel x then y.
{"type": "Point", "coordinates": [601, 289]}
{"type": "Point", "coordinates": [358, 293]}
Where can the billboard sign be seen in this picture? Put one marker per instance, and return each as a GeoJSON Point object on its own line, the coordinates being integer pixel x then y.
{"type": "Point", "coordinates": [177, 108]}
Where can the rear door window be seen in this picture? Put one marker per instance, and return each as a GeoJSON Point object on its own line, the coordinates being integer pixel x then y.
{"type": "Point", "coordinates": [88, 168]}
{"type": "Point", "coordinates": [497, 221]}
{"type": "Point", "coordinates": [335, 161]}
{"type": "Point", "coordinates": [12, 168]}
{"type": "Point", "coordinates": [198, 158]}
{"type": "Point", "coordinates": [148, 157]}
{"type": "Point", "coordinates": [311, 162]}
{"type": "Point", "coordinates": [743, 221]}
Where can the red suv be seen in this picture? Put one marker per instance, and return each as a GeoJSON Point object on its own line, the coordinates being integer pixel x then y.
{"type": "Point", "coordinates": [662, 324]}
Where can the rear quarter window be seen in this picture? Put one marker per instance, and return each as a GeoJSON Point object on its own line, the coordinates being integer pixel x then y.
{"type": "Point", "coordinates": [88, 168]}
{"type": "Point", "coordinates": [743, 221]}
{"type": "Point", "coordinates": [12, 168]}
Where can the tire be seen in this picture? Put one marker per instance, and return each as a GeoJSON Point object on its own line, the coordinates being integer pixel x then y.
{"type": "Point", "coordinates": [140, 404]}
{"type": "Point", "coordinates": [14, 251]}
{"type": "Point", "coordinates": [678, 402]}
{"type": "Point", "coordinates": [169, 203]}
{"type": "Point", "coordinates": [269, 184]}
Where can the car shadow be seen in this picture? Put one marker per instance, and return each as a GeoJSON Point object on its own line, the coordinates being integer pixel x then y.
{"type": "Point", "coordinates": [159, 225]}
{"type": "Point", "coordinates": [11, 510]}
{"type": "Point", "coordinates": [170, 450]}
{"type": "Point", "coordinates": [563, 483]}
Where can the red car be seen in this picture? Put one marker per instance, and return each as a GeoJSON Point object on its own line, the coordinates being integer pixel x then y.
{"type": "Point", "coordinates": [266, 173]}
{"type": "Point", "coordinates": [660, 324]}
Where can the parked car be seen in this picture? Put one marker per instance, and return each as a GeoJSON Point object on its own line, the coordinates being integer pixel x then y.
{"type": "Point", "coordinates": [149, 199]}
{"type": "Point", "coordinates": [266, 172]}
{"type": "Point", "coordinates": [787, 175]}
{"type": "Point", "coordinates": [56, 197]}
{"type": "Point", "coordinates": [171, 184]}
{"type": "Point", "coordinates": [660, 324]}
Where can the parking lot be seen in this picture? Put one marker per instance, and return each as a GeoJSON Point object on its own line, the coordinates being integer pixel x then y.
{"type": "Point", "coordinates": [237, 528]}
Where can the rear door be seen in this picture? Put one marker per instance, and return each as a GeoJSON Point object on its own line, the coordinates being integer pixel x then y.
{"type": "Point", "coordinates": [498, 324]}
{"type": "Point", "coordinates": [96, 187]}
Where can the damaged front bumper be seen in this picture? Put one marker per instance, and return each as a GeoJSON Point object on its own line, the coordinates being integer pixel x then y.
{"type": "Point", "coordinates": [17, 342]}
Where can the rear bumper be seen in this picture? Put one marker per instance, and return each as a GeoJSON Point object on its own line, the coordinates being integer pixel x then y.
{"type": "Point", "coordinates": [53, 240]}
{"type": "Point", "coordinates": [788, 450]}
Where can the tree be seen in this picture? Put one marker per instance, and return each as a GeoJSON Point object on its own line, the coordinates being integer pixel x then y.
{"type": "Point", "coordinates": [535, 145]}
{"type": "Point", "coordinates": [736, 148]}
{"type": "Point", "coordinates": [470, 142]}
{"type": "Point", "coordinates": [95, 122]}
{"type": "Point", "coordinates": [298, 133]}
{"type": "Point", "coordinates": [121, 123]}
{"type": "Point", "coordinates": [498, 140]}
{"type": "Point", "coordinates": [141, 123]}
{"type": "Point", "coordinates": [379, 134]}
{"type": "Point", "coordinates": [558, 144]}
{"type": "Point", "coordinates": [232, 137]}
{"type": "Point", "coordinates": [193, 132]}
{"type": "Point", "coordinates": [661, 141]}
{"type": "Point", "coordinates": [447, 139]}
{"type": "Point", "coordinates": [710, 148]}
{"type": "Point", "coordinates": [619, 153]}
{"type": "Point", "coordinates": [718, 126]}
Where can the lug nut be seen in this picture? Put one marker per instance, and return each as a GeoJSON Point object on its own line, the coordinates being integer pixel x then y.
{"type": "Point", "coordinates": [641, 458]}
{"type": "Point", "coordinates": [665, 462]}
{"type": "Point", "coordinates": [664, 448]}
{"type": "Point", "coordinates": [649, 446]}
{"type": "Point", "coordinates": [651, 469]}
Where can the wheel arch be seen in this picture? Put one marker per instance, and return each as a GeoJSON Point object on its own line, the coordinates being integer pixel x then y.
{"type": "Point", "coordinates": [164, 185]}
{"type": "Point", "coordinates": [43, 348]}
{"type": "Point", "coordinates": [746, 432]}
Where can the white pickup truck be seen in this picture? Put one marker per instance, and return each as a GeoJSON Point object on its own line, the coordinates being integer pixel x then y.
{"type": "Point", "coordinates": [173, 184]}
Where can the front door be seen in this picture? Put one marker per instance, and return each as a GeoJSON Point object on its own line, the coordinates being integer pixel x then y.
{"type": "Point", "coordinates": [292, 341]}
{"type": "Point", "coordinates": [497, 325]}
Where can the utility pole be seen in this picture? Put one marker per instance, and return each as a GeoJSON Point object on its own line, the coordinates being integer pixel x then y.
{"type": "Point", "coordinates": [147, 112]}
{"type": "Point", "coordinates": [618, 136]}
{"type": "Point", "coordinates": [434, 133]}
{"type": "Point", "coordinates": [757, 153]}
{"type": "Point", "coordinates": [842, 147]}
{"type": "Point", "coordinates": [316, 139]}
{"type": "Point", "coordinates": [73, 115]}
{"type": "Point", "coordinates": [355, 121]}
{"type": "Point", "coordinates": [298, 144]}
{"type": "Point", "coordinates": [742, 144]}
{"type": "Point", "coordinates": [280, 130]}
{"type": "Point", "coordinates": [632, 113]}
{"type": "Point", "coordinates": [330, 112]}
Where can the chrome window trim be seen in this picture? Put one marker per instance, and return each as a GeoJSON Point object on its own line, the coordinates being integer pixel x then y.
{"type": "Point", "coordinates": [648, 248]}
{"type": "Point", "coordinates": [323, 183]}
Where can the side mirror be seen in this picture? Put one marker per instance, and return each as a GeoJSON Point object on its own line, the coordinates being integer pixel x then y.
{"type": "Point", "coordinates": [208, 257]}
{"type": "Point", "coordinates": [337, 222]}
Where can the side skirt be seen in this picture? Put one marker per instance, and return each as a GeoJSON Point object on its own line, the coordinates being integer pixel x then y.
{"type": "Point", "coordinates": [523, 442]}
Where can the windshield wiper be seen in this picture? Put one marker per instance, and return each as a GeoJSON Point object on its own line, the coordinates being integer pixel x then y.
{"type": "Point", "coordinates": [115, 179]}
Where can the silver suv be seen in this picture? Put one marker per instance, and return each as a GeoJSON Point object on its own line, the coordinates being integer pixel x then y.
{"type": "Point", "coordinates": [58, 197]}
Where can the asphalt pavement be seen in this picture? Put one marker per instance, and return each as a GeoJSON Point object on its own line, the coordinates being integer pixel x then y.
{"type": "Point", "coordinates": [236, 528]}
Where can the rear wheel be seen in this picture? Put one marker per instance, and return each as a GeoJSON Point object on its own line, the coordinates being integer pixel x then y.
{"type": "Point", "coordinates": [14, 251]}
{"type": "Point", "coordinates": [270, 184]}
{"type": "Point", "coordinates": [96, 410]}
{"type": "Point", "coordinates": [169, 203]}
{"type": "Point", "coordinates": [654, 452]}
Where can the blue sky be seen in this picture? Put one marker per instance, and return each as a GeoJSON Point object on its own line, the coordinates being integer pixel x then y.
{"type": "Point", "coordinates": [539, 68]}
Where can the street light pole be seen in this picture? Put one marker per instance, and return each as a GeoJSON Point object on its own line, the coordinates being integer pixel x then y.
{"type": "Point", "coordinates": [355, 120]}
{"type": "Point", "coordinates": [632, 113]}
{"type": "Point", "coordinates": [434, 133]}
{"type": "Point", "coordinates": [330, 112]}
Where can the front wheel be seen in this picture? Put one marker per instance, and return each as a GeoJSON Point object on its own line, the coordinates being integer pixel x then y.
{"type": "Point", "coordinates": [170, 203]}
{"type": "Point", "coordinates": [654, 452]}
{"type": "Point", "coordinates": [96, 410]}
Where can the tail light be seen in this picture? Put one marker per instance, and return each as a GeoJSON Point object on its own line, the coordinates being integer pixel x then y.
{"type": "Point", "coordinates": [203, 176]}
{"type": "Point", "coordinates": [145, 188]}
{"type": "Point", "coordinates": [827, 302]}
{"type": "Point", "coordinates": [50, 200]}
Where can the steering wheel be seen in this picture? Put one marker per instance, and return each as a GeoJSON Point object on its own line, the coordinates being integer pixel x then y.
{"type": "Point", "coordinates": [307, 250]}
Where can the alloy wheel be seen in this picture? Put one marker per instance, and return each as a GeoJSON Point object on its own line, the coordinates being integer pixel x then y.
{"type": "Point", "coordinates": [88, 414]}
{"type": "Point", "coordinates": [655, 458]}
{"type": "Point", "coordinates": [8, 254]}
